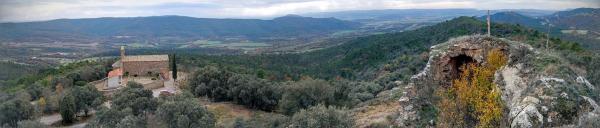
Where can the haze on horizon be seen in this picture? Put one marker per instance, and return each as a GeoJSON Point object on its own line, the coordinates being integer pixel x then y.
{"type": "Point", "coordinates": [37, 10]}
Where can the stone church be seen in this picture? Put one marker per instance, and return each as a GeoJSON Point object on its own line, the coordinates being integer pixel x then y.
{"type": "Point", "coordinates": [139, 65]}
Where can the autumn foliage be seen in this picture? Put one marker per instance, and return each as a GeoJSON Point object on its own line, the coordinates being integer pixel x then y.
{"type": "Point", "coordinates": [473, 99]}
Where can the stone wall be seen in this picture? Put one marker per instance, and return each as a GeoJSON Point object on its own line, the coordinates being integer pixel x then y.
{"type": "Point", "coordinates": [154, 85]}
{"type": "Point", "coordinates": [141, 68]}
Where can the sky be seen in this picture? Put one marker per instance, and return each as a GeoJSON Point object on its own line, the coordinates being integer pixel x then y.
{"type": "Point", "coordinates": [39, 10]}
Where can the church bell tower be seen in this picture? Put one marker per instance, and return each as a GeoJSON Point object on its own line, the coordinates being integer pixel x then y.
{"type": "Point", "coordinates": [122, 52]}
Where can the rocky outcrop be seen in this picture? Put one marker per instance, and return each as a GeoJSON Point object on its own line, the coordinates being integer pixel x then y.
{"type": "Point", "coordinates": [534, 95]}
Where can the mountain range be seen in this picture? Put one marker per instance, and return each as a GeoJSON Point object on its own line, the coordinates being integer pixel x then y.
{"type": "Point", "coordinates": [418, 14]}
{"type": "Point", "coordinates": [170, 26]}
{"type": "Point", "coordinates": [581, 25]}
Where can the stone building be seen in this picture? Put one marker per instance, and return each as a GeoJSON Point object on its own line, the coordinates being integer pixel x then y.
{"type": "Point", "coordinates": [143, 65]}
{"type": "Point", "coordinates": [154, 66]}
{"type": "Point", "coordinates": [115, 79]}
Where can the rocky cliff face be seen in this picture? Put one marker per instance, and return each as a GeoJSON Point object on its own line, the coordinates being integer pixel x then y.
{"type": "Point", "coordinates": [539, 88]}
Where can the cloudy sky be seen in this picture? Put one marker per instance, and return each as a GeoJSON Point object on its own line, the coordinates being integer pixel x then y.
{"type": "Point", "coordinates": [35, 10]}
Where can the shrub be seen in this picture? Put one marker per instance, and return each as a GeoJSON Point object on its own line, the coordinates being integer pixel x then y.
{"type": "Point", "coordinates": [474, 96]}
{"type": "Point", "coordinates": [305, 93]}
{"type": "Point", "coordinates": [268, 120]}
{"type": "Point", "coordinates": [320, 116]}
{"type": "Point", "coordinates": [567, 109]}
{"type": "Point", "coordinates": [31, 124]}
{"type": "Point", "coordinates": [185, 112]}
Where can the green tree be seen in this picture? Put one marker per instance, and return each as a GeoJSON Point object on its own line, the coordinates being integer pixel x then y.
{"type": "Point", "coordinates": [110, 118]}
{"type": "Point", "coordinates": [305, 93]}
{"type": "Point", "coordinates": [35, 90]}
{"type": "Point", "coordinates": [178, 111]}
{"type": "Point", "coordinates": [67, 108]}
{"type": "Point", "coordinates": [135, 97]}
{"type": "Point", "coordinates": [183, 122]}
{"type": "Point", "coordinates": [132, 121]}
{"type": "Point", "coordinates": [86, 98]}
{"type": "Point", "coordinates": [15, 110]}
{"type": "Point", "coordinates": [248, 90]}
{"type": "Point", "coordinates": [260, 74]}
{"type": "Point", "coordinates": [323, 117]}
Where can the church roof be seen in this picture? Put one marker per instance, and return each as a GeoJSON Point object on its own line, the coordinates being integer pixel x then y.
{"type": "Point", "coordinates": [146, 58]}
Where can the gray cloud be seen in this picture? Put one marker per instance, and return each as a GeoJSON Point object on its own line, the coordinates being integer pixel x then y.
{"type": "Point", "coordinates": [34, 10]}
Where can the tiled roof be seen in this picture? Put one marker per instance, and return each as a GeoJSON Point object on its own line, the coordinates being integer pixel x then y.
{"type": "Point", "coordinates": [146, 58]}
{"type": "Point", "coordinates": [115, 72]}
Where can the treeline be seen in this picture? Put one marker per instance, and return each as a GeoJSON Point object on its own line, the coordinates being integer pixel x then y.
{"type": "Point", "coordinates": [12, 70]}
{"type": "Point", "coordinates": [72, 103]}
{"type": "Point", "coordinates": [285, 97]}
{"type": "Point", "coordinates": [77, 73]}
{"type": "Point", "coordinates": [134, 106]}
{"type": "Point", "coordinates": [63, 90]}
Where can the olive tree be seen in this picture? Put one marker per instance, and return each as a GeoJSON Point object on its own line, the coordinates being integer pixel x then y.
{"type": "Point", "coordinates": [137, 98]}
{"type": "Point", "coordinates": [67, 108]}
{"type": "Point", "coordinates": [185, 113]}
{"type": "Point", "coordinates": [15, 110]}
{"type": "Point", "coordinates": [305, 93]}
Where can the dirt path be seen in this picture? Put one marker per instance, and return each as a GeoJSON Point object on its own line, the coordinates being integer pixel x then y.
{"type": "Point", "coordinates": [50, 119]}
{"type": "Point", "coordinates": [55, 118]}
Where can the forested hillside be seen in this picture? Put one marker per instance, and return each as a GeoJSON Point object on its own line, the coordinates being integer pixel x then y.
{"type": "Point", "coordinates": [168, 26]}
{"type": "Point", "coordinates": [364, 57]}
{"type": "Point", "coordinates": [356, 71]}
{"type": "Point", "coordinates": [579, 25]}
{"type": "Point", "coordinates": [12, 71]}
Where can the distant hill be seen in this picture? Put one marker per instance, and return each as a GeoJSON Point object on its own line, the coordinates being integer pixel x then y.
{"type": "Point", "coordinates": [581, 18]}
{"type": "Point", "coordinates": [580, 25]}
{"type": "Point", "coordinates": [419, 14]}
{"type": "Point", "coordinates": [528, 12]}
{"type": "Point", "coordinates": [170, 26]}
{"type": "Point", "coordinates": [515, 18]}
{"type": "Point", "coordinates": [396, 14]}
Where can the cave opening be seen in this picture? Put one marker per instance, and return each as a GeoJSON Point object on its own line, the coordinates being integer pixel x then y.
{"type": "Point", "coordinates": [457, 64]}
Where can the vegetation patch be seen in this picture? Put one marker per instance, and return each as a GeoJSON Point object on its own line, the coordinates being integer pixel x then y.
{"type": "Point", "coordinates": [473, 99]}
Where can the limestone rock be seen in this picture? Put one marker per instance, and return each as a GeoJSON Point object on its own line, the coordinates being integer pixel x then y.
{"type": "Point", "coordinates": [528, 92]}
